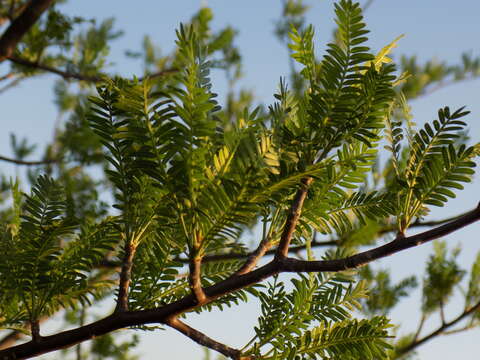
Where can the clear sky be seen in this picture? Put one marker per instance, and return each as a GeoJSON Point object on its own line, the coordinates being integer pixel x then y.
{"type": "Point", "coordinates": [438, 29]}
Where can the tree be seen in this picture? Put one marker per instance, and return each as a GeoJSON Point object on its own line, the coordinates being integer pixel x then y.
{"type": "Point", "coordinates": [189, 177]}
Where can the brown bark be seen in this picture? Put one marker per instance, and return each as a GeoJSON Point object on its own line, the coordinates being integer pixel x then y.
{"type": "Point", "coordinates": [292, 218]}
{"type": "Point", "coordinates": [125, 278]}
{"type": "Point", "coordinates": [195, 280]}
{"type": "Point", "coordinates": [255, 256]}
{"type": "Point", "coordinates": [20, 25]}
{"type": "Point", "coordinates": [202, 339]}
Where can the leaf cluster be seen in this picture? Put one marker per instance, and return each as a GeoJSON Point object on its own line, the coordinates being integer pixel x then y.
{"type": "Point", "coordinates": [313, 320]}
{"type": "Point", "coordinates": [47, 258]}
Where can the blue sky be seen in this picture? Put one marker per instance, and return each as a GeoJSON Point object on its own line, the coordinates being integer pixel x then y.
{"type": "Point", "coordinates": [433, 29]}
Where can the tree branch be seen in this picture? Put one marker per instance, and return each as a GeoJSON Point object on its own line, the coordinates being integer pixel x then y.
{"type": "Point", "coordinates": [195, 280]}
{"type": "Point", "coordinates": [292, 218]}
{"type": "Point", "coordinates": [12, 12]}
{"type": "Point", "coordinates": [29, 163]}
{"type": "Point", "coordinates": [7, 76]}
{"type": "Point", "coordinates": [125, 277]}
{"type": "Point", "coordinates": [443, 84]}
{"type": "Point", "coordinates": [69, 75]}
{"type": "Point", "coordinates": [202, 339]}
{"type": "Point", "coordinates": [439, 331]}
{"type": "Point", "coordinates": [400, 243]}
{"type": "Point", "coordinates": [255, 256]}
{"type": "Point", "coordinates": [420, 327]}
{"type": "Point", "coordinates": [21, 24]}
{"type": "Point", "coordinates": [12, 84]}
{"type": "Point", "coordinates": [419, 223]}
{"type": "Point", "coordinates": [110, 264]}
{"type": "Point", "coordinates": [162, 314]}
{"type": "Point", "coordinates": [262, 249]}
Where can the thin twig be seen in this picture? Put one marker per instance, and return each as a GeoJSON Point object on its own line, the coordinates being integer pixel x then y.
{"type": "Point", "coordinates": [195, 279]}
{"type": "Point", "coordinates": [459, 330]}
{"type": "Point", "coordinates": [159, 74]}
{"type": "Point", "coordinates": [29, 163]}
{"type": "Point", "coordinates": [439, 331]}
{"type": "Point", "coordinates": [420, 327]}
{"type": "Point", "coordinates": [442, 313]}
{"type": "Point", "coordinates": [125, 277]}
{"type": "Point", "coordinates": [69, 75]}
{"type": "Point", "coordinates": [419, 223]}
{"type": "Point", "coordinates": [292, 218]}
{"type": "Point", "coordinates": [368, 3]}
{"type": "Point", "coordinates": [7, 76]}
{"type": "Point", "coordinates": [202, 339]}
{"type": "Point", "coordinates": [255, 256]}
{"type": "Point", "coordinates": [443, 84]}
{"type": "Point", "coordinates": [106, 263]}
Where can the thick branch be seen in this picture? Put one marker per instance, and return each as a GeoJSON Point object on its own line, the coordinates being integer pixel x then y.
{"type": "Point", "coordinates": [35, 330]}
{"type": "Point", "coordinates": [125, 278]}
{"type": "Point", "coordinates": [21, 25]}
{"type": "Point", "coordinates": [161, 315]}
{"type": "Point", "coordinates": [202, 339]}
{"type": "Point", "coordinates": [439, 331]}
{"type": "Point", "coordinates": [12, 12]}
{"type": "Point", "coordinates": [292, 218]}
{"type": "Point", "coordinates": [262, 250]}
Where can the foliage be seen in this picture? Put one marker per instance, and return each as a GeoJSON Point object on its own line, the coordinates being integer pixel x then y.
{"type": "Point", "coordinates": [442, 276]}
{"type": "Point", "coordinates": [383, 295]}
{"type": "Point", "coordinates": [189, 179]}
